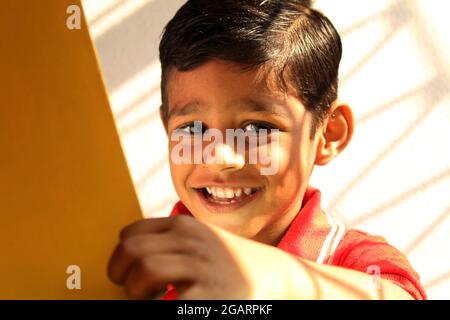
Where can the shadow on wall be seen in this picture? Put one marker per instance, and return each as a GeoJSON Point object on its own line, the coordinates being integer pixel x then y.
{"type": "Point", "coordinates": [396, 16]}
{"type": "Point", "coordinates": [431, 93]}
{"type": "Point", "coordinates": [131, 38]}
{"type": "Point", "coordinates": [126, 49]}
{"type": "Point", "coordinates": [437, 280]}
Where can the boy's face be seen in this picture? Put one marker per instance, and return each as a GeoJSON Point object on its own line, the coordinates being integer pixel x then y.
{"type": "Point", "coordinates": [222, 96]}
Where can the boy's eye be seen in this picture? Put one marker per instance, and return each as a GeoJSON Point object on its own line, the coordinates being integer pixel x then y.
{"type": "Point", "coordinates": [191, 128]}
{"type": "Point", "coordinates": [252, 127]}
{"type": "Point", "coordinates": [255, 127]}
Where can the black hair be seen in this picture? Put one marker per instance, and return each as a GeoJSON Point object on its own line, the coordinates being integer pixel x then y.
{"type": "Point", "coordinates": [288, 39]}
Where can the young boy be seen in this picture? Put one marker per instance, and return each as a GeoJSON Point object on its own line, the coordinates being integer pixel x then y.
{"type": "Point", "coordinates": [269, 71]}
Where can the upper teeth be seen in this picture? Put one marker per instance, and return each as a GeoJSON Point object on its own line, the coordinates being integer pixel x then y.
{"type": "Point", "coordinates": [228, 193]}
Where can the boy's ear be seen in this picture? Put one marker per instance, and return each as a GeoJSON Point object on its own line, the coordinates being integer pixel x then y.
{"type": "Point", "coordinates": [335, 133]}
{"type": "Point", "coordinates": [161, 116]}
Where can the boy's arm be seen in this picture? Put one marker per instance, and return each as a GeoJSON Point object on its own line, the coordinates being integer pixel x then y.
{"type": "Point", "coordinates": [207, 262]}
{"type": "Point", "coordinates": [304, 279]}
{"type": "Point", "coordinates": [310, 280]}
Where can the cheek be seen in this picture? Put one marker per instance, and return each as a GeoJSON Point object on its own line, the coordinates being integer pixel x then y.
{"type": "Point", "coordinates": [284, 155]}
{"type": "Point", "coordinates": [295, 155]}
{"type": "Point", "coordinates": [180, 174]}
{"type": "Point", "coordinates": [292, 175]}
{"type": "Point", "coordinates": [179, 171]}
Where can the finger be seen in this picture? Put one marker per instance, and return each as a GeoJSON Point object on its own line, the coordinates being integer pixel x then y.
{"type": "Point", "coordinates": [136, 247]}
{"type": "Point", "coordinates": [148, 278]}
{"type": "Point", "coordinates": [150, 225]}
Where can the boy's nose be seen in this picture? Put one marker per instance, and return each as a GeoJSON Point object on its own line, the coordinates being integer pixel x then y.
{"type": "Point", "coordinates": [224, 158]}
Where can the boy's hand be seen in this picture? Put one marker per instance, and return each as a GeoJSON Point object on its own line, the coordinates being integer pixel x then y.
{"type": "Point", "coordinates": [201, 261]}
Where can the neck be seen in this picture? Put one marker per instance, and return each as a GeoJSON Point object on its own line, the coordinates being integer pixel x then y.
{"type": "Point", "coordinates": [273, 234]}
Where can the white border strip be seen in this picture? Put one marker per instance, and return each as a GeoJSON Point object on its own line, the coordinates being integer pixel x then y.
{"type": "Point", "coordinates": [338, 237]}
{"type": "Point", "coordinates": [327, 243]}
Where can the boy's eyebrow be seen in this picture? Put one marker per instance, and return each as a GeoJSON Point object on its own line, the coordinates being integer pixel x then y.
{"type": "Point", "coordinates": [250, 105]}
{"type": "Point", "coordinates": [184, 110]}
{"type": "Point", "coordinates": [271, 107]}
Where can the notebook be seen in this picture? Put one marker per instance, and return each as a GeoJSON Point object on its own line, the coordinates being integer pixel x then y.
{"type": "Point", "coordinates": [65, 188]}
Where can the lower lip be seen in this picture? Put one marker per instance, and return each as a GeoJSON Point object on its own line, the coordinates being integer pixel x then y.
{"type": "Point", "coordinates": [217, 207]}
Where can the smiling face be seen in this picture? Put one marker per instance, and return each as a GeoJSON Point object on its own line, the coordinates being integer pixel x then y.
{"type": "Point", "coordinates": [235, 195]}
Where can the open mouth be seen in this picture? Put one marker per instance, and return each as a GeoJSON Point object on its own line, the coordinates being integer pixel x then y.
{"type": "Point", "coordinates": [227, 199]}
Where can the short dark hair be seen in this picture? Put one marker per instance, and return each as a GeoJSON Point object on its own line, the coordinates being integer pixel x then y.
{"type": "Point", "coordinates": [292, 41]}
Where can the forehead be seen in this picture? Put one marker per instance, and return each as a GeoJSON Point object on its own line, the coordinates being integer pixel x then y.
{"type": "Point", "coordinates": [228, 86]}
{"type": "Point", "coordinates": [214, 78]}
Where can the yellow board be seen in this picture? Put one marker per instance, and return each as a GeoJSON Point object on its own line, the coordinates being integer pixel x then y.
{"type": "Point", "coordinates": [65, 189]}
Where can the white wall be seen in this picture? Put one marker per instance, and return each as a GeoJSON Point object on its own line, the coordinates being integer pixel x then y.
{"type": "Point", "coordinates": [394, 178]}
